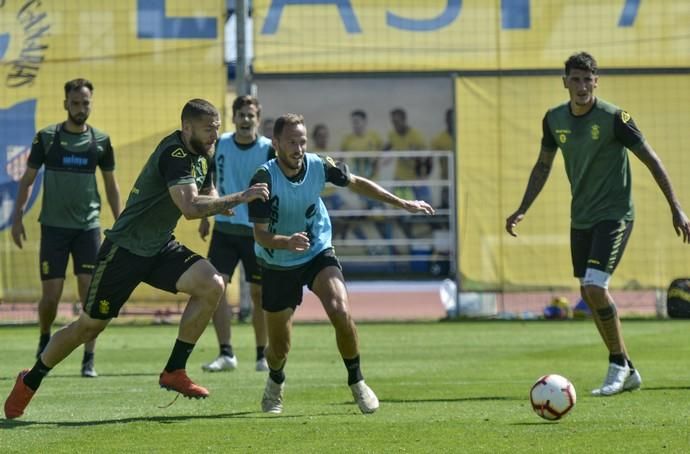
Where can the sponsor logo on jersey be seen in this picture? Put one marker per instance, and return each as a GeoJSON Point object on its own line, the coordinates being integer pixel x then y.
{"type": "Point", "coordinates": [75, 161]}
{"type": "Point", "coordinates": [562, 135]}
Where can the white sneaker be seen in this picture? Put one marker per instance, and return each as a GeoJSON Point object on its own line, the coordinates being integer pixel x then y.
{"type": "Point", "coordinates": [633, 381]}
{"type": "Point", "coordinates": [614, 382]}
{"type": "Point", "coordinates": [272, 401]}
{"type": "Point", "coordinates": [221, 363]}
{"type": "Point", "coordinates": [365, 397]}
{"type": "Point", "coordinates": [261, 365]}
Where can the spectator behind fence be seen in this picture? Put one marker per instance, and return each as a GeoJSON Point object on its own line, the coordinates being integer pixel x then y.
{"type": "Point", "coordinates": [70, 213]}
{"type": "Point", "coordinates": [365, 140]}
{"type": "Point", "coordinates": [405, 138]}
{"type": "Point", "coordinates": [444, 141]}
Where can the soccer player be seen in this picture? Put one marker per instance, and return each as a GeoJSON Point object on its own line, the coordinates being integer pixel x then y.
{"type": "Point", "coordinates": [237, 157]}
{"type": "Point", "coordinates": [292, 230]}
{"type": "Point", "coordinates": [593, 135]}
{"type": "Point", "coordinates": [141, 248]}
{"type": "Point", "coordinates": [70, 211]}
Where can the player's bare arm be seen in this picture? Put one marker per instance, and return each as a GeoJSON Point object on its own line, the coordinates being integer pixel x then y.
{"type": "Point", "coordinates": [648, 156]}
{"type": "Point", "coordinates": [537, 179]}
{"type": "Point", "coordinates": [297, 242]}
{"type": "Point", "coordinates": [205, 224]}
{"type": "Point", "coordinates": [112, 193]}
{"type": "Point", "coordinates": [372, 190]}
{"type": "Point", "coordinates": [195, 206]}
{"type": "Point", "coordinates": [25, 184]}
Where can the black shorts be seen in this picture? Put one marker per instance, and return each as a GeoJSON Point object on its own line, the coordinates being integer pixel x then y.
{"type": "Point", "coordinates": [226, 250]}
{"type": "Point", "coordinates": [599, 247]}
{"type": "Point", "coordinates": [58, 243]}
{"type": "Point", "coordinates": [118, 272]}
{"type": "Point", "coordinates": [281, 289]}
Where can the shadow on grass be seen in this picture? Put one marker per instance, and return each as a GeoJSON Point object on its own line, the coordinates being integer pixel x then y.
{"type": "Point", "coordinates": [665, 388]}
{"type": "Point", "coordinates": [445, 399]}
{"type": "Point", "coordinates": [100, 375]}
{"type": "Point", "coordinates": [20, 423]}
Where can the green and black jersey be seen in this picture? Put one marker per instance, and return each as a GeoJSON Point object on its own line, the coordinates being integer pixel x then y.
{"type": "Point", "coordinates": [596, 160]}
{"type": "Point", "coordinates": [70, 190]}
{"type": "Point", "coordinates": [150, 215]}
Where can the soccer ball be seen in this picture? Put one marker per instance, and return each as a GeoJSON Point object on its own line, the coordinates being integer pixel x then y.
{"type": "Point", "coordinates": [552, 397]}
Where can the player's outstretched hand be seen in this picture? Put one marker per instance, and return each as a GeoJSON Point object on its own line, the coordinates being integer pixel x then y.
{"type": "Point", "coordinates": [682, 225]}
{"type": "Point", "coordinates": [298, 242]}
{"type": "Point", "coordinates": [512, 222]}
{"type": "Point", "coordinates": [256, 191]}
{"type": "Point", "coordinates": [418, 206]}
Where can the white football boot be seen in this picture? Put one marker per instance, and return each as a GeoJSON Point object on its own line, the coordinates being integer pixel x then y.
{"type": "Point", "coordinates": [221, 363]}
{"type": "Point", "coordinates": [272, 400]}
{"type": "Point", "coordinates": [633, 381]}
{"type": "Point", "coordinates": [614, 382]}
{"type": "Point", "coordinates": [261, 365]}
{"type": "Point", "coordinates": [365, 397]}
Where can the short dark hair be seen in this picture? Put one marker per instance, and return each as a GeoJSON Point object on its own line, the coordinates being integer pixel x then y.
{"type": "Point", "coordinates": [359, 113]}
{"type": "Point", "coordinates": [196, 108]}
{"type": "Point", "coordinates": [245, 100]}
{"type": "Point", "coordinates": [399, 111]}
{"type": "Point", "coordinates": [287, 119]}
{"type": "Point", "coordinates": [581, 60]}
{"type": "Point", "coordinates": [76, 84]}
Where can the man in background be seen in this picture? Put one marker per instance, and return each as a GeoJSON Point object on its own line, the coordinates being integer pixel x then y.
{"type": "Point", "coordinates": [70, 212]}
{"type": "Point", "coordinates": [238, 155]}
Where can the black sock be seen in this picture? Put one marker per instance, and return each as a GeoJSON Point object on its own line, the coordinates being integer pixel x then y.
{"type": "Point", "coordinates": [260, 352]}
{"type": "Point", "coordinates": [630, 365]}
{"type": "Point", "coordinates": [178, 357]}
{"type": "Point", "coordinates": [88, 356]}
{"type": "Point", "coordinates": [354, 374]}
{"type": "Point", "coordinates": [277, 376]}
{"type": "Point", "coordinates": [618, 359]}
{"type": "Point", "coordinates": [226, 350]}
{"type": "Point", "coordinates": [42, 342]}
{"type": "Point", "coordinates": [33, 378]}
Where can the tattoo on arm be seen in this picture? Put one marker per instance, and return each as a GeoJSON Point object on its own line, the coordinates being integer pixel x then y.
{"type": "Point", "coordinates": [205, 205]}
{"type": "Point", "coordinates": [537, 179]}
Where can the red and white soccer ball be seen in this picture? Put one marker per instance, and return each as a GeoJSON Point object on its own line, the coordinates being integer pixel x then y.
{"type": "Point", "coordinates": [552, 397]}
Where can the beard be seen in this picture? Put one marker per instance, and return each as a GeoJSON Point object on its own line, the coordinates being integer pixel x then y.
{"type": "Point", "coordinates": [201, 149]}
{"type": "Point", "coordinates": [79, 121]}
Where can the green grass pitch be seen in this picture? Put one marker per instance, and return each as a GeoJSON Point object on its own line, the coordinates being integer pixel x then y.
{"type": "Point", "coordinates": [444, 387]}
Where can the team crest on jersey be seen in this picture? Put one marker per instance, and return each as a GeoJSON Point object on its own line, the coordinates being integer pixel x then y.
{"type": "Point", "coordinates": [179, 153]}
{"type": "Point", "coordinates": [625, 116]}
{"type": "Point", "coordinates": [595, 132]}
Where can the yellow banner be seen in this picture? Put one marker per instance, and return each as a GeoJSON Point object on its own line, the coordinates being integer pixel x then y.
{"type": "Point", "coordinates": [293, 36]}
{"type": "Point", "coordinates": [499, 134]}
{"type": "Point", "coordinates": [146, 58]}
